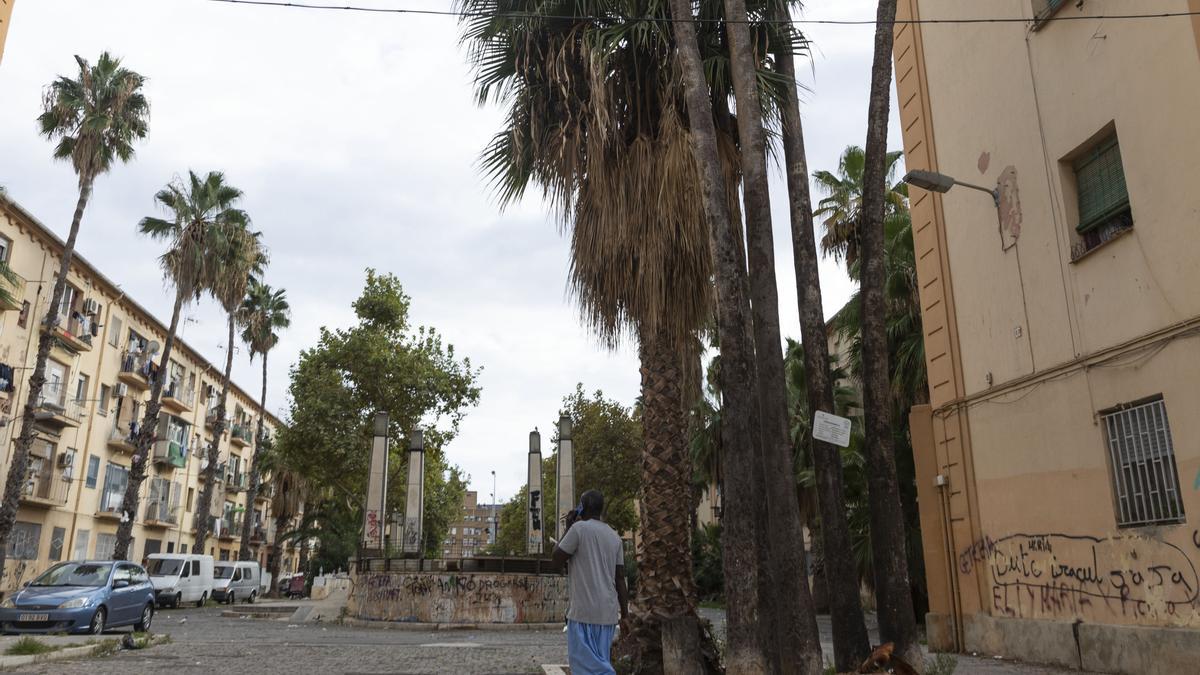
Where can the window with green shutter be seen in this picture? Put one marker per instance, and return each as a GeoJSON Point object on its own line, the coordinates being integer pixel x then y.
{"type": "Point", "coordinates": [1100, 183]}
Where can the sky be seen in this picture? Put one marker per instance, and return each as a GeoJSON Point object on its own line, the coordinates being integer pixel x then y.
{"type": "Point", "coordinates": [355, 138]}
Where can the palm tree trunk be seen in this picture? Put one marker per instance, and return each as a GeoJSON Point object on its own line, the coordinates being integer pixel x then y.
{"type": "Point", "coordinates": [740, 407]}
{"type": "Point", "coordinates": [794, 623]}
{"type": "Point", "coordinates": [838, 583]}
{"type": "Point", "coordinates": [147, 435]}
{"type": "Point", "coordinates": [277, 558]}
{"type": "Point", "coordinates": [37, 379]}
{"type": "Point", "coordinates": [214, 448]}
{"type": "Point", "coordinates": [897, 622]}
{"type": "Point", "coordinates": [665, 588]}
{"type": "Point", "coordinates": [252, 493]}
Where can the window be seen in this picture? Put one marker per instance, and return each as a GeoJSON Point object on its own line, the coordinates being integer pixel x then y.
{"type": "Point", "coordinates": [105, 399]}
{"type": "Point", "coordinates": [224, 555]}
{"type": "Point", "coordinates": [191, 493]}
{"type": "Point", "coordinates": [23, 317]}
{"type": "Point", "coordinates": [69, 296]}
{"type": "Point", "coordinates": [57, 538]}
{"type": "Point", "coordinates": [123, 572]}
{"type": "Point", "coordinates": [152, 546]}
{"type": "Point", "coordinates": [5, 249]}
{"type": "Point", "coordinates": [183, 548]}
{"type": "Point", "coordinates": [138, 575]}
{"type": "Point", "coordinates": [1103, 196]}
{"type": "Point", "coordinates": [81, 386]}
{"type": "Point", "coordinates": [81, 545]}
{"type": "Point", "coordinates": [114, 332]}
{"type": "Point", "coordinates": [56, 383]}
{"type": "Point", "coordinates": [1145, 478]}
{"type": "Point", "coordinates": [23, 542]}
{"type": "Point", "coordinates": [116, 477]}
{"type": "Point", "coordinates": [196, 567]}
{"type": "Point", "coordinates": [93, 472]}
{"type": "Point", "coordinates": [170, 547]}
{"type": "Point", "coordinates": [105, 543]}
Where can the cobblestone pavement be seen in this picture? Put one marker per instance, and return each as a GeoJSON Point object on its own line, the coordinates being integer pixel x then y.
{"type": "Point", "coordinates": [208, 643]}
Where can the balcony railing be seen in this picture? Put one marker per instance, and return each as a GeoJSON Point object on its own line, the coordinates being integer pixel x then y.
{"type": "Point", "coordinates": [136, 370]}
{"type": "Point", "coordinates": [158, 513]}
{"type": "Point", "coordinates": [231, 526]}
{"type": "Point", "coordinates": [266, 491]}
{"type": "Point", "coordinates": [170, 453]}
{"type": "Point", "coordinates": [236, 481]}
{"type": "Point", "coordinates": [45, 489]}
{"type": "Point", "coordinates": [16, 292]}
{"type": "Point", "coordinates": [75, 334]}
{"type": "Point", "coordinates": [111, 504]}
{"type": "Point", "coordinates": [123, 436]}
{"type": "Point", "coordinates": [240, 434]}
{"type": "Point", "coordinates": [53, 408]}
{"type": "Point", "coordinates": [178, 396]}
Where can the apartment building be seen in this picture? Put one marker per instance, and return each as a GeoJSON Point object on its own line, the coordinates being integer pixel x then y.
{"type": "Point", "coordinates": [98, 381]}
{"type": "Point", "coordinates": [475, 530]}
{"type": "Point", "coordinates": [1058, 462]}
{"type": "Point", "coordinates": [6, 8]}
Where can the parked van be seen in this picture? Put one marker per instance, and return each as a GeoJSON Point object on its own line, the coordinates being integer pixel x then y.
{"type": "Point", "coordinates": [236, 580]}
{"type": "Point", "coordinates": [180, 578]}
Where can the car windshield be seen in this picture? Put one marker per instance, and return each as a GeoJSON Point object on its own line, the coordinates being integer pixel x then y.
{"type": "Point", "coordinates": [75, 574]}
{"type": "Point", "coordinates": [160, 567]}
{"type": "Point", "coordinates": [223, 572]}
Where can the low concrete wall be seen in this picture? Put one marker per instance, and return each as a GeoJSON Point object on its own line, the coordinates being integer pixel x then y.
{"type": "Point", "coordinates": [1039, 641]}
{"type": "Point", "coordinates": [438, 597]}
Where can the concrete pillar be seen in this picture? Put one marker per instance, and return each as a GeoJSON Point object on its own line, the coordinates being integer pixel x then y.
{"type": "Point", "coordinates": [375, 516]}
{"type": "Point", "coordinates": [414, 507]}
{"type": "Point", "coordinates": [534, 518]}
{"type": "Point", "coordinates": [565, 487]}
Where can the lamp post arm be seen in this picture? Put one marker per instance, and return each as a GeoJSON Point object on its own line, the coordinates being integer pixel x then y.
{"type": "Point", "coordinates": [994, 192]}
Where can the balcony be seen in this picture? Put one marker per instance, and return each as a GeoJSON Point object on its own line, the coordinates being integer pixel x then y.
{"type": "Point", "coordinates": [266, 492]}
{"type": "Point", "coordinates": [258, 535]}
{"type": "Point", "coordinates": [159, 516]}
{"type": "Point", "coordinates": [178, 398]}
{"type": "Point", "coordinates": [210, 418]}
{"type": "Point", "coordinates": [45, 490]}
{"type": "Point", "coordinates": [231, 527]}
{"type": "Point", "coordinates": [123, 437]}
{"type": "Point", "coordinates": [240, 435]}
{"type": "Point", "coordinates": [170, 453]}
{"type": "Point", "coordinates": [110, 506]}
{"type": "Point", "coordinates": [16, 292]}
{"type": "Point", "coordinates": [73, 334]}
{"type": "Point", "coordinates": [136, 371]}
{"type": "Point", "coordinates": [236, 481]}
{"type": "Point", "coordinates": [58, 413]}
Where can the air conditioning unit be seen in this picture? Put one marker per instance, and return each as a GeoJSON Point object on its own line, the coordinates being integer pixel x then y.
{"type": "Point", "coordinates": [91, 307]}
{"type": "Point", "coordinates": [65, 460]}
{"type": "Point", "coordinates": [122, 389]}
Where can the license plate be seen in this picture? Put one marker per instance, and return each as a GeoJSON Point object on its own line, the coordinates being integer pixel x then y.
{"type": "Point", "coordinates": [34, 617]}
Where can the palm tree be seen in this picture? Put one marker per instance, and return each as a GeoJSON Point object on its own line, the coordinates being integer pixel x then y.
{"type": "Point", "coordinates": [841, 207]}
{"type": "Point", "coordinates": [96, 119]}
{"type": "Point", "coordinates": [197, 208]}
{"type": "Point", "coordinates": [286, 504]}
{"type": "Point", "coordinates": [897, 620]}
{"type": "Point", "coordinates": [264, 311]}
{"type": "Point", "coordinates": [237, 255]}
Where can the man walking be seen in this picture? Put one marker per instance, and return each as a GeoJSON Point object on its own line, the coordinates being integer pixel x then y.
{"type": "Point", "coordinates": [599, 596]}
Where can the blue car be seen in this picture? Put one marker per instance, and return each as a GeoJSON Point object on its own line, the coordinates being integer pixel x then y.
{"type": "Point", "coordinates": [81, 597]}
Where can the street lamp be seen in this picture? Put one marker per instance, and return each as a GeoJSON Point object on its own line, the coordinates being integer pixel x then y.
{"type": "Point", "coordinates": [495, 521]}
{"type": "Point", "coordinates": [940, 182]}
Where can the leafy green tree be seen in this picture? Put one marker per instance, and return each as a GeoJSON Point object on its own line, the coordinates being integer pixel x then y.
{"type": "Point", "coordinates": [199, 209]}
{"type": "Point", "coordinates": [96, 118]}
{"type": "Point", "coordinates": [264, 311]}
{"type": "Point", "coordinates": [380, 364]}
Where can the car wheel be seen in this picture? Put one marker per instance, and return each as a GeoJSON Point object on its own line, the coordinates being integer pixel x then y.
{"type": "Point", "coordinates": [178, 601]}
{"type": "Point", "coordinates": [229, 599]}
{"type": "Point", "coordinates": [147, 618]}
{"type": "Point", "coordinates": [97, 625]}
{"type": "Point", "coordinates": [253, 595]}
{"type": "Point", "coordinates": [201, 601]}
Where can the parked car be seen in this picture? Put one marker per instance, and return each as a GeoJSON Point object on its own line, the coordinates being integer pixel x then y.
{"type": "Point", "coordinates": [233, 581]}
{"type": "Point", "coordinates": [181, 577]}
{"type": "Point", "coordinates": [81, 597]}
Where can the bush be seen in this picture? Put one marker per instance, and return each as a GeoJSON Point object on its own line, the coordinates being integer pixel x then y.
{"type": "Point", "coordinates": [706, 563]}
{"type": "Point", "coordinates": [28, 646]}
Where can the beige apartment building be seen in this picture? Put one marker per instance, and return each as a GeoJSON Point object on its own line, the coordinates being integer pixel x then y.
{"type": "Point", "coordinates": [6, 8]}
{"type": "Point", "coordinates": [1058, 462]}
{"type": "Point", "coordinates": [98, 380]}
{"type": "Point", "coordinates": [474, 531]}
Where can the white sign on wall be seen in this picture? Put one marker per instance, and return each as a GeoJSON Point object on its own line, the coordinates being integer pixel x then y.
{"type": "Point", "coordinates": [831, 429]}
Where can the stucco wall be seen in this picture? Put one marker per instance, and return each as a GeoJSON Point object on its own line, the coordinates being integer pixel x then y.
{"type": "Point", "coordinates": [426, 597]}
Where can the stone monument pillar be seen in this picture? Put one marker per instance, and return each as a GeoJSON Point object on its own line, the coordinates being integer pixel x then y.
{"type": "Point", "coordinates": [414, 506]}
{"type": "Point", "coordinates": [375, 517]}
{"type": "Point", "coordinates": [565, 494]}
{"type": "Point", "coordinates": [534, 518]}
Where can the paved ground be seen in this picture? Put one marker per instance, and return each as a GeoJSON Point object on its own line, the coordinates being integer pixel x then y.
{"type": "Point", "coordinates": [208, 643]}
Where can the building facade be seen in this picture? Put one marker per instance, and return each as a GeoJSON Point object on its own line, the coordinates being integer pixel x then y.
{"type": "Point", "coordinates": [474, 531]}
{"type": "Point", "coordinates": [1058, 463]}
{"type": "Point", "coordinates": [6, 8]}
{"type": "Point", "coordinates": [98, 381]}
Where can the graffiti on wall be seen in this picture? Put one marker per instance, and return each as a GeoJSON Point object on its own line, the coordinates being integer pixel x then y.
{"type": "Point", "coordinates": [460, 598]}
{"type": "Point", "coordinates": [1061, 576]}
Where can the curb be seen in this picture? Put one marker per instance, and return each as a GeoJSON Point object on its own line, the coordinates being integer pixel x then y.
{"type": "Point", "coordinates": [83, 651]}
{"type": "Point", "coordinates": [436, 627]}
{"type": "Point", "coordinates": [553, 670]}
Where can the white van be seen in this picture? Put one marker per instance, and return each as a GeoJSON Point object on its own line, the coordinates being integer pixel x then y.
{"type": "Point", "coordinates": [180, 578]}
{"type": "Point", "coordinates": [236, 580]}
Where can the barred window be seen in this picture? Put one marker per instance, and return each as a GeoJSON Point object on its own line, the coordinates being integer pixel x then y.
{"type": "Point", "coordinates": [105, 544]}
{"type": "Point", "coordinates": [1145, 478]}
{"type": "Point", "coordinates": [23, 542]}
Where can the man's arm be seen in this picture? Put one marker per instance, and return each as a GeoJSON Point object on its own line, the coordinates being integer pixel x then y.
{"type": "Point", "coordinates": [560, 557]}
{"type": "Point", "coordinates": [622, 592]}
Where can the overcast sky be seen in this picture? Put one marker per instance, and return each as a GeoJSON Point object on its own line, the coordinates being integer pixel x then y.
{"type": "Point", "coordinates": [355, 139]}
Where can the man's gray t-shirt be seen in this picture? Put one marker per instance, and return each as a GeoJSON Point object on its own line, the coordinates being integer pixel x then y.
{"type": "Point", "coordinates": [596, 552]}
